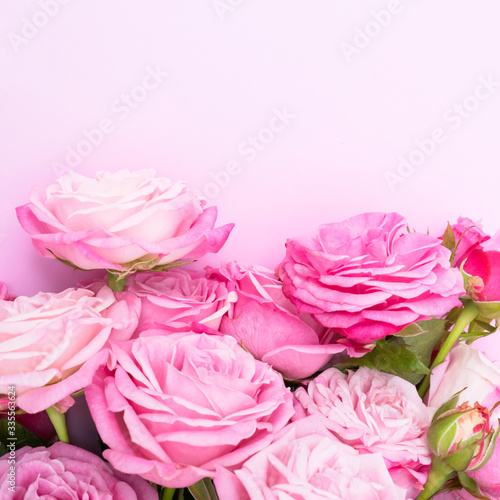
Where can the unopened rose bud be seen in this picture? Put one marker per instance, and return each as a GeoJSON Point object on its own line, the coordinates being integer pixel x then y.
{"type": "Point", "coordinates": [462, 437]}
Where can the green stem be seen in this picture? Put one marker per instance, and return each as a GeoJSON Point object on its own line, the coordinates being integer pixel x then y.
{"type": "Point", "coordinates": [439, 475]}
{"type": "Point", "coordinates": [168, 493]}
{"type": "Point", "coordinates": [59, 422]}
{"type": "Point", "coordinates": [116, 281]}
{"type": "Point", "coordinates": [468, 314]}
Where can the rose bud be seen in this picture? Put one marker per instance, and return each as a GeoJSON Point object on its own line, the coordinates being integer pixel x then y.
{"type": "Point", "coordinates": [462, 440]}
{"type": "Point", "coordinates": [462, 437]}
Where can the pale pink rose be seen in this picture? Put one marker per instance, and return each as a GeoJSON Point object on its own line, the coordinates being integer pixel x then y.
{"type": "Point", "coordinates": [62, 472]}
{"type": "Point", "coordinates": [175, 299]}
{"type": "Point", "coordinates": [306, 462]}
{"type": "Point", "coordinates": [468, 236]}
{"type": "Point", "coordinates": [122, 221]}
{"type": "Point", "coordinates": [51, 344]}
{"type": "Point", "coordinates": [467, 369]}
{"type": "Point", "coordinates": [368, 276]}
{"type": "Point", "coordinates": [172, 408]}
{"type": "Point", "coordinates": [268, 325]}
{"type": "Point", "coordinates": [374, 412]}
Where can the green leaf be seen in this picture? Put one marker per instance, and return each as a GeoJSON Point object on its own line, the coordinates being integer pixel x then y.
{"type": "Point", "coordinates": [393, 357]}
{"type": "Point", "coordinates": [23, 437]}
{"type": "Point", "coordinates": [406, 354]}
{"type": "Point", "coordinates": [449, 238]}
{"type": "Point", "coordinates": [470, 485]}
{"type": "Point", "coordinates": [203, 490]}
{"type": "Point", "coordinates": [422, 344]}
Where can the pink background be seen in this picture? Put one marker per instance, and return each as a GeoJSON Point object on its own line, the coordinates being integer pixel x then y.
{"type": "Point", "coordinates": [183, 86]}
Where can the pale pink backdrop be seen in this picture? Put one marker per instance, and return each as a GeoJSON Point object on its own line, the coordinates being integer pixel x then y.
{"type": "Point", "coordinates": [336, 91]}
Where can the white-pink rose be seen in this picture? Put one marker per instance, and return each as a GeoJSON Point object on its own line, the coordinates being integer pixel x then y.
{"type": "Point", "coordinates": [374, 412]}
{"type": "Point", "coordinates": [306, 462]}
{"type": "Point", "coordinates": [121, 221]}
{"type": "Point", "coordinates": [175, 299]}
{"type": "Point", "coordinates": [51, 344]}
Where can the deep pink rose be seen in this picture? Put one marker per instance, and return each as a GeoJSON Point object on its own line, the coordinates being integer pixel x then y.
{"type": "Point", "coordinates": [174, 299]}
{"type": "Point", "coordinates": [374, 412]}
{"type": "Point", "coordinates": [51, 344]}
{"type": "Point", "coordinates": [369, 277]}
{"type": "Point", "coordinates": [122, 221]}
{"type": "Point", "coordinates": [174, 407]}
{"type": "Point", "coordinates": [468, 236]}
{"type": "Point", "coordinates": [63, 472]}
{"type": "Point", "coordinates": [306, 462]}
{"type": "Point", "coordinates": [268, 325]}
{"type": "Point", "coordinates": [467, 369]}
{"type": "Point", "coordinates": [482, 266]}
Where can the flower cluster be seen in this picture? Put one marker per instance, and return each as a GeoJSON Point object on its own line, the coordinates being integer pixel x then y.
{"type": "Point", "coordinates": [345, 373]}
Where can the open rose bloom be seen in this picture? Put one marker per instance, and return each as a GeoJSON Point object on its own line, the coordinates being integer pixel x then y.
{"type": "Point", "coordinates": [51, 344]}
{"type": "Point", "coordinates": [374, 412]}
{"type": "Point", "coordinates": [67, 472]}
{"type": "Point", "coordinates": [173, 408]}
{"type": "Point", "coordinates": [306, 462]}
{"type": "Point", "coordinates": [120, 221]}
{"type": "Point", "coordinates": [175, 299]}
{"type": "Point", "coordinates": [369, 277]}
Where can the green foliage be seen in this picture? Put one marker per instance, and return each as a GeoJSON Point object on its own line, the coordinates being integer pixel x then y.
{"type": "Point", "coordinates": [406, 354]}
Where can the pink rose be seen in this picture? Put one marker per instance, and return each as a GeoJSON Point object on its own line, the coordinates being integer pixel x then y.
{"type": "Point", "coordinates": [122, 221]}
{"type": "Point", "coordinates": [374, 412]}
{"type": "Point", "coordinates": [467, 369]}
{"type": "Point", "coordinates": [369, 277]}
{"type": "Point", "coordinates": [174, 407]}
{"type": "Point", "coordinates": [306, 462]}
{"type": "Point", "coordinates": [468, 236]}
{"type": "Point", "coordinates": [268, 325]}
{"type": "Point", "coordinates": [174, 299]}
{"type": "Point", "coordinates": [482, 266]}
{"type": "Point", "coordinates": [65, 472]}
{"type": "Point", "coordinates": [51, 344]}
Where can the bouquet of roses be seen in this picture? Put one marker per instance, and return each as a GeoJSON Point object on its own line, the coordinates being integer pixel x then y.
{"type": "Point", "coordinates": [345, 373]}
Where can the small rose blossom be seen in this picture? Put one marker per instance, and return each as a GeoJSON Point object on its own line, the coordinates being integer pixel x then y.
{"type": "Point", "coordinates": [173, 408]}
{"type": "Point", "coordinates": [51, 344]}
{"type": "Point", "coordinates": [462, 429]}
{"type": "Point", "coordinates": [268, 325]}
{"type": "Point", "coordinates": [63, 472]}
{"type": "Point", "coordinates": [175, 299]}
{"type": "Point", "coordinates": [374, 412]}
{"type": "Point", "coordinates": [368, 276]}
{"type": "Point", "coordinates": [121, 221]}
{"type": "Point", "coordinates": [306, 462]}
